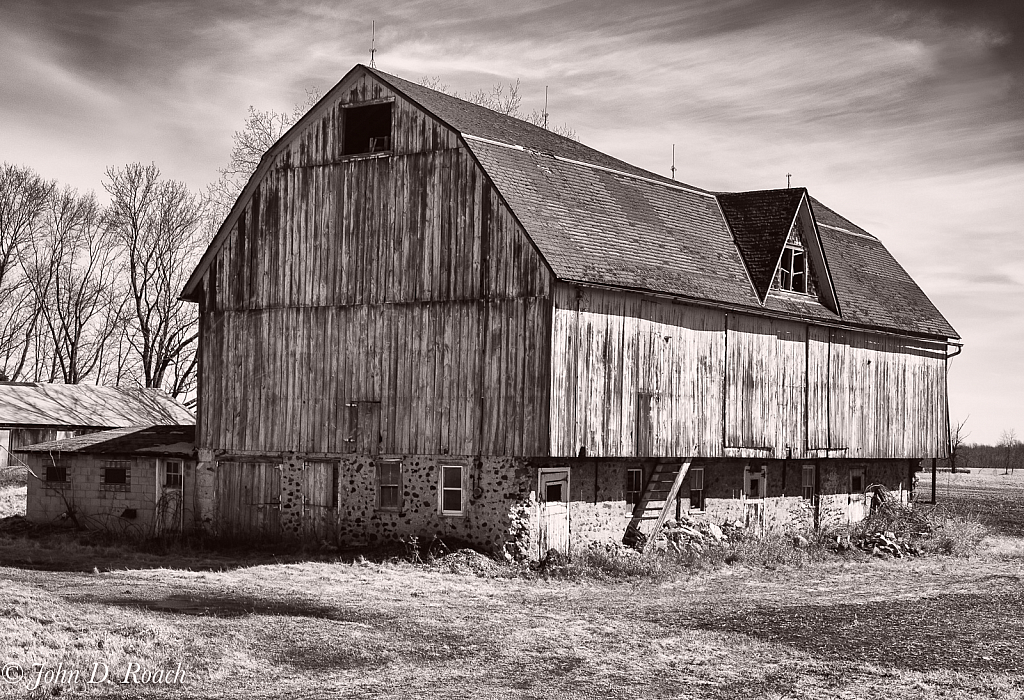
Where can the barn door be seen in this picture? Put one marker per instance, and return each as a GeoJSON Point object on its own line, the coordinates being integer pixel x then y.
{"type": "Point", "coordinates": [319, 499]}
{"type": "Point", "coordinates": [249, 499]}
{"type": "Point", "coordinates": [169, 476]}
{"type": "Point", "coordinates": [553, 497]}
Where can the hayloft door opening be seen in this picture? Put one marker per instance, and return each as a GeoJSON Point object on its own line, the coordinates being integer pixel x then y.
{"type": "Point", "coordinates": [553, 503]}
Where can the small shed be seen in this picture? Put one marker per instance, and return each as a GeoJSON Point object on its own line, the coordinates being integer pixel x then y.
{"type": "Point", "coordinates": [138, 480]}
{"type": "Point", "coordinates": [32, 412]}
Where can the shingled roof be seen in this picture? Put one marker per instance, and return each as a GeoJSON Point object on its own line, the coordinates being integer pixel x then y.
{"type": "Point", "coordinates": [148, 439]}
{"type": "Point", "coordinates": [599, 220]}
{"type": "Point", "coordinates": [30, 405]}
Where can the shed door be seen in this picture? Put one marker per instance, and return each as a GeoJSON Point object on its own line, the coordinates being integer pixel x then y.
{"type": "Point", "coordinates": [170, 474]}
{"type": "Point", "coordinates": [859, 504]}
{"type": "Point", "coordinates": [553, 497]}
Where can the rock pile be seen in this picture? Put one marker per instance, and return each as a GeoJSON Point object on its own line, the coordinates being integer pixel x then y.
{"type": "Point", "coordinates": [882, 543]}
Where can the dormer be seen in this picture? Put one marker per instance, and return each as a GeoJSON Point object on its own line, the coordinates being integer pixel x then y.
{"type": "Point", "coordinates": [778, 240]}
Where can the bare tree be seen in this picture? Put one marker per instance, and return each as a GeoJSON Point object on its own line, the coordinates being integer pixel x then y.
{"type": "Point", "coordinates": [507, 101]}
{"type": "Point", "coordinates": [262, 130]}
{"type": "Point", "coordinates": [158, 224]}
{"type": "Point", "coordinates": [957, 439]}
{"type": "Point", "coordinates": [1010, 446]}
{"type": "Point", "coordinates": [24, 197]}
{"type": "Point", "coordinates": [73, 272]}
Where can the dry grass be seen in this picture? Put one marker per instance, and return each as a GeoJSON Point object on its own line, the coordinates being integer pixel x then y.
{"type": "Point", "coordinates": [839, 628]}
{"type": "Point", "coordinates": [12, 500]}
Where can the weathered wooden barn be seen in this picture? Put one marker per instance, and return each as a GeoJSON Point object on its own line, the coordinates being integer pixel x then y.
{"type": "Point", "coordinates": [423, 317]}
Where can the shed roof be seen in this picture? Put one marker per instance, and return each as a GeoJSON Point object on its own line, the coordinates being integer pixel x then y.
{"type": "Point", "coordinates": [30, 405]}
{"type": "Point", "coordinates": [148, 439]}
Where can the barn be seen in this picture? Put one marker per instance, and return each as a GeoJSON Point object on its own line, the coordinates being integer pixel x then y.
{"type": "Point", "coordinates": [422, 317]}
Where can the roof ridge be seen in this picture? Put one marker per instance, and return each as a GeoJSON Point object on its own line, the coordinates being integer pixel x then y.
{"type": "Point", "coordinates": [604, 168]}
{"type": "Point", "coordinates": [846, 230]}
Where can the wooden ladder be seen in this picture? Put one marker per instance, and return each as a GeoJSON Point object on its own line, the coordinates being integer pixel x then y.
{"type": "Point", "coordinates": [658, 498]}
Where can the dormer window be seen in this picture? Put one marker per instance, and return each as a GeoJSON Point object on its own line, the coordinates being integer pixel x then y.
{"type": "Point", "coordinates": [793, 270]}
{"type": "Point", "coordinates": [367, 129]}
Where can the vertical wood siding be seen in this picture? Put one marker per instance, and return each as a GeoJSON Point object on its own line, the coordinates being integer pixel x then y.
{"type": "Point", "coordinates": [632, 377]}
{"type": "Point", "coordinates": [401, 284]}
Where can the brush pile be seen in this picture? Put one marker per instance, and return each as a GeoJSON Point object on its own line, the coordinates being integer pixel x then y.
{"type": "Point", "coordinates": [892, 528]}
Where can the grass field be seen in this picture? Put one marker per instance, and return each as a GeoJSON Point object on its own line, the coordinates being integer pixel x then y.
{"type": "Point", "coordinates": [273, 624]}
{"type": "Point", "coordinates": [995, 498]}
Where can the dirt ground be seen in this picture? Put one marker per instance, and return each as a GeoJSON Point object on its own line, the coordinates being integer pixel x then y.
{"type": "Point", "coordinates": [995, 498]}
{"type": "Point", "coordinates": [274, 625]}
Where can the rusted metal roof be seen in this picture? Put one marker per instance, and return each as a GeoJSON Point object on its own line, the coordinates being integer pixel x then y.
{"type": "Point", "coordinates": [30, 405]}
{"type": "Point", "coordinates": [152, 439]}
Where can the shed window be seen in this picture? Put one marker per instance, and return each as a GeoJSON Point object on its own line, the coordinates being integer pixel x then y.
{"type": "Point", "coordinates": [172, 473]}
{"type": "Point", "coordinates": [117, 475]}
{"type": "Point", "coordinates": [793, 270]}
{"type": "Point", "coordinates": [697, 489]}
{"type": "Point", "coordinates": [634, 485]}
{"type": "Point", "coordinates": [389, 484]}
{"type": "Point", "coordinates": [451, 490]}
{"type": "Point", "coordinates": [367, 129]}
{"type": "Point", "coordinates": [57, 474]}
{"type": "Point", "coordinates": [807, 490]}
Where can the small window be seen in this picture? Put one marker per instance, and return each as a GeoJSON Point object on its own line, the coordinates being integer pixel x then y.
{"type": "Point", "coordinates": [389, 484]}
{"type": "Point", "coordinates": [634, 485]}
{"type": "Point", "coordinates": [172, 474]}
{"type": "Point", "coordinates": [56, 474]}
{"type": "Point", "coordinates": [553, 492]}
{"type": "Point", "coordinates": [367, 129]}
{"type": "Point", "coordinates": [856, 481]}
{"type": "Point", "coordinates": [754, 482]}
{"type": "Point", "coordinates": [117, 475]}
{"type": "Point", "coordinates": [451, 490]}
{"type": "Point", "coordinates": [808, 482]}
{"type": "Point", "coordinates": [793, 270]}
{"type": "Point", "coordinates": [697, 489]}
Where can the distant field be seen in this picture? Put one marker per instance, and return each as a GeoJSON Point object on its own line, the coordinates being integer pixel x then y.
{"type": "Point", "coordinates": [997, 499]}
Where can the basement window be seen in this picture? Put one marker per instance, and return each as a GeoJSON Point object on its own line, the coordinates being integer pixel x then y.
{"type": "Point", "coordinates": [793, 270]}
{"type": "Point", "coordinates": [634, 485]}
{"type": "Point", "coordinates": [452, 501]}
{"type": "Point", "coordinates": [389, 484]}
{"type": "Point", "coordinates": [697, 489]}
{"type": "Point", "coordinates": [857, 480]}
{"type": "Point", "coordinates": [754, 481]}
{"type": "Point", "coordinates": [367, 129]}
{"type": "Point", "coordinates": [807, 488]}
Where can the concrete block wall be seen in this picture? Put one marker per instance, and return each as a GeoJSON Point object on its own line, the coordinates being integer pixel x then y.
{"type": "Point", "coordinates": [97, 505]}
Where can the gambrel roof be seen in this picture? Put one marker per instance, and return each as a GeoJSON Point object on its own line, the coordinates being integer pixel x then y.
{"type": "Point", "coordinates": [599, 220]}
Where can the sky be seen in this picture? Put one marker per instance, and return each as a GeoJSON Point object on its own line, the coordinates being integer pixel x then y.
{"type": "Point", "coordinates": [906, 116]}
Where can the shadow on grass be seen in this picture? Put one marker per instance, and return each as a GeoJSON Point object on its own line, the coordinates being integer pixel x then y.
{"type": "Point", "coordinates": [47, 547]}
{"type": "Point", "coordinates": [963, 632]}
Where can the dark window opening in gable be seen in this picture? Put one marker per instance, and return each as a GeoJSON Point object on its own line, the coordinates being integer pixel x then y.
{"type": "Point", "coordinates": [793, 270]}
{"type": "Point", "coordinates": [367, 129]}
